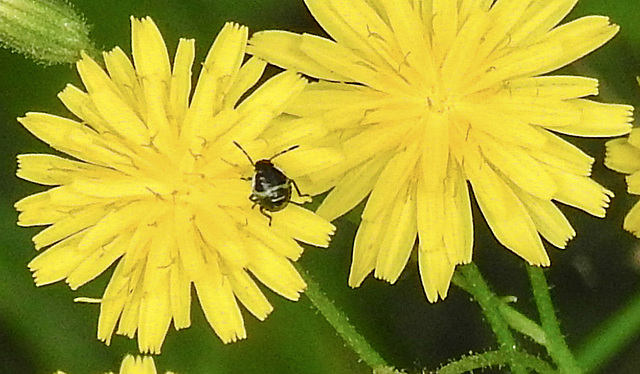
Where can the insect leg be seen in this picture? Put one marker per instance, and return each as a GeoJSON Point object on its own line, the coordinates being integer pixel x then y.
{"type": "Point", "coordinates": [263, 211]}
{"type": "Point", "coordinates": [255, 201]}
{"type": "Point", "coordinates": [295, 185]}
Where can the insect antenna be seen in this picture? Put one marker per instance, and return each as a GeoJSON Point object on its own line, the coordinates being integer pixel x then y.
{"type": "Point", "coordinates": [284, 151]}
{"type": "Point", "coordinates": [245, 152]}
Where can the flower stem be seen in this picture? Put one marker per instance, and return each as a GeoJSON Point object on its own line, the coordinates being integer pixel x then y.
{"type": "Point", "coordinates": [468, 277]}
{"type": "Point", "coordinates": [522, 324]}
{"type": "Point", "coordinates": [556, 345]}
{"type": "Point", "coordinates": [613, 335]}
{"type": "Point", "coordinates": [495, 358]}
{"type": "Point", "coordinates": [339, 321]}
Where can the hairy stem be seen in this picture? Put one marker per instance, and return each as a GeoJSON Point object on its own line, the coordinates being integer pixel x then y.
{"type": "Point", "coordinates": [495, 358]}
{"type": "Point", "coordinates": [339, 321]}
{"type": "Point", "coordinates": [556, 345]}
{"type": "Point", "coordinates": [468, 277]}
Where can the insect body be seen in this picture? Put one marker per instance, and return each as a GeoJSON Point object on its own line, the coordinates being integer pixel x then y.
{"type": "Point", "coordinates": [271, 189]}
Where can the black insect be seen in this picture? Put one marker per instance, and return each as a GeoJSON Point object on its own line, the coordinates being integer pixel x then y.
{"type": "Point", "coordinates": [271, 189]}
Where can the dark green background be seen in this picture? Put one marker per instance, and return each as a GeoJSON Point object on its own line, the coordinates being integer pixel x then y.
{"type": "Point", "coordinates": [42, 329]}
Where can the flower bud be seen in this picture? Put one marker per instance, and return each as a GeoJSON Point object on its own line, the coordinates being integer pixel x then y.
{"type": "Point", "coordinates": [48, 31]}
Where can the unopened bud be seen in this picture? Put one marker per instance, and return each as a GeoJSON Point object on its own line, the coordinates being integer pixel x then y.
{"type": "Point", "coordinates": [48, 31]}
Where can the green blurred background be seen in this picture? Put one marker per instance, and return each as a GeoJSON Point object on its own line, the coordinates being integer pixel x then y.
{"type": "Point", "coordinates": [42, 329]}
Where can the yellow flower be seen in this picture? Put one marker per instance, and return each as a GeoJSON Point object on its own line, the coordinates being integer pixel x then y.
{"type": "Point", "coordinates": [429, 95]}
{"type": "Point", "coordinates": [159, 188]}
{"type": "Point", "coordinates": [623, 156]}
{"type": "Point", "coordinates": [135, 365]}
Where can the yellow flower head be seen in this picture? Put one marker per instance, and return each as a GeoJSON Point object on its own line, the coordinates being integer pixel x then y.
{"type": "Point", "coordinates": [427, 95]}
{"type": "Point", "coordinates": [623, 155]}
{"type": "Point", "coordinates": [135, 365]}
{"type": "Point", "coordinates": [159, 187]}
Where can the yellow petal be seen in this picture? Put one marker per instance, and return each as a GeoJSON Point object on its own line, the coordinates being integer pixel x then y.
{"type": "Point", "coordinates": [275, 94]}
{"type": "Point", "coordinates": [262, 235]}
{"type": "Point", "coordinates": [112, 106]}
{"type": "Point", "coordinates": [304, 226]}
{"type": "Point", "coordinates": [622, 156]}
{"type": "Point", "coordinates": [303, 160]}
{"type": "Point", "coordinates": [246, 290]}
{"type": "Point", "coordinates": [444, 22]}
{"type": "Point", "coordinates": [282, 49]}
{"type": "Point", "coordinates": [155, 308]}
{"type": "Point", "coordinates": [457, 223]}
{"type": "Point", "coordinates": [410, 35]}
{"type": "Point", "coordinates": [115, 222]}
{"type": "Point", "coordinates": [190, 252]}
{"type": "Point", "coordinates": [218, 72]}
{"type": "Point", "coordinates": [130, 317]}
{"type": "Point", "coordinates": [553, 87]}
{"type": "Point", "coordinates": [539, 18]}
{"type": "Point", "coordinates": [248, 76]}
{"type": "Point", "coordinates": [37, 209]}
{"type": "Point", "coordinates": [633, 182]}
{"type": "Point", "coordinates": [518, 166]}
{"type": "Point", "coordinates": [69, 225]}
{"type": "Point", "coordinates": [226, 242]}
{"type": "Point", "coordinates": [320, 97]}
{"type": "Point", "coordinates": [181, 77]}
{"type": "Point", "coordinates": [124, 76]}
{"type": "Point", "coordinates": [563, 155]}
{"type": "Point", "coordinates": [337, 57]}
{"type": "Point", "coordinates": [81, 105]}
{"type": "Point", "coordinates": [365, 250]}
{"type": "Point", "coordinates": [351, 190]}
{"type": "Point", "coordinates": [397, 240]}
{"type": "Point", "coordinates": [113, 302]}
{"type": "Point", "coordinates": [549, 220]}
{"type": "Point", "coordinates": [57, 262]}
{"type": "Point", "coordinates": [599, 119]}
{"type": "Point", "coordinates": [436, 272]}
{"type": "Point", "coordinates": [435, 156]}
{"type": "Point", "coordinates": [52, 170]}
{"type": "Point", "coordinates": [576, 39]}
{"type": "Point", "coordinates": [180, 295]}
{"type": "Point", "coordinates": [632, 220]}
{"type": "Point", "coordinates": [97, 262]}
{"type": "Point", "coordinates": [501, 126]}
{"type": "Point", "coordinates": [277, 273]}
{"type": "Point", "coordinates": [583, 193]}
{"type": "Point", "coordinates": [507, 216]}
{"type": "Point", "coordinates": [391, 182]}
{"type": "Point", "coordinates": [359, 26]}
{"type": "Point", "coordinates": [220, 307]}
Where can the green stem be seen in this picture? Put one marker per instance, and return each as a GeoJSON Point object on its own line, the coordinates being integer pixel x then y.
{"type": "Point", "coordinates": [556, 345]}
{"type": "Point", "coordinates": [612, 336]}
{"type": "Point", "coordinates": [521, 323]}
{"type": "Point", "coordinates": [495, 358]}
{"type": "Point", "coordinates": [339, 321]}
{"type": "Point", "coordinates": [468, 277]}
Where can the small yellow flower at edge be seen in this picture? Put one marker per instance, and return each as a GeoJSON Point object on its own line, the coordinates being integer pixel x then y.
{"type": "Point", "coordinates": [623, 156]}
{"type": "Point", "coordinates": [428, 96]}
{"type": "Point", "coordinates": [135, 365]}
{"type": "Point", "coordinates": [156, 186]}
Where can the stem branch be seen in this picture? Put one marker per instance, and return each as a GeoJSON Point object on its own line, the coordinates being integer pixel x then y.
{"type": "Point", "coordinates": [472, 281]}
{"type": "Point", "coordinates": [556, 345]}
{"type": "Point", "coordinates": [495, 358]}
{"type": "Point", "coordinates": [339, 321]}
